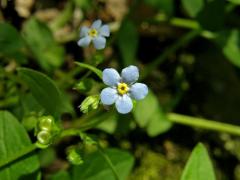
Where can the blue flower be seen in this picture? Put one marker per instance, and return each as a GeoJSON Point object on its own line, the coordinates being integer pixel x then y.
{"type": "Point", "coordinates": [96, 33]}
{"type": "Point", "coordinates": [122, 88]}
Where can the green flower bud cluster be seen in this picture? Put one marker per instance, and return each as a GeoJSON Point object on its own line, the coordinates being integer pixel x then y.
{"type": "Point", "coordinates": [90, 103]}
{"type": "Point", "coordinates": [46, 130]}
{"type": "Point", "coordinates": [74, 155]}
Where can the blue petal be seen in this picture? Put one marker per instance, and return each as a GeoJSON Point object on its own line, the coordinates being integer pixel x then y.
{"type": "Point", "coordinates": [85, 41]}
{"type": "Point", "coordinates": [99, 42]}
{"type": "Point", "coordinates": [130, 74]}
{"type": "Point", "coordinates": [84, 31]}
{"type": "Point", "coordinates": [108, 96]}
{"type": "Point", "coordinates": [96, 24]}
{"type": "Point", "coordinates": [104, 31]}
{"type": "Point", "coordinates": [138, 91]}
{"type": "Point", "coordinates": [111, 77]}
{"type": "Point", "coordinates": [124, 104]}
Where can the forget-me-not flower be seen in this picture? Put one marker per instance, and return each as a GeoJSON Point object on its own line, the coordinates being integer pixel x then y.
{"type": "Point", "coordinates": [97, 33]}
{"type": "Point", "coordinates": [122, 88]}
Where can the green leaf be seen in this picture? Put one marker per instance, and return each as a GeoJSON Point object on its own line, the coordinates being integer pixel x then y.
{"type": "Point", "coordinates": [199, 166]}
{"type": "Point", "coordinates": [44, 90]}
{"type": "Point", "coordinates": [229, 41]}
{"type": "Point", "coordinates": [11, 43]}
{"type": "Point", "coordinates": [153, 119]}
{"type": "Point", "coordinates": [193, 7]}
{"type": "Point", "coordinates": [14, 138]}
{"type": "Point", "coordinates": [209, 19]}
{"type": "Point", "coordinates": [128, 42]}
{"type": "Point", "coordinates": [96, 168]}
{"type": "Point", "coordinates": [40, 41]}
{"type": "Point", "coordinates": [166, 6]}
{"type": "Point", "coordinates": [237, 2]}
{"type": "Point", "coordinates": [61, 175]}
{"type": "Point", "coordinates": [108, 122]}
{"type": "Point", "coordinates": [47, 156]}
{"type": "Point", "coordinates": [91, 68]}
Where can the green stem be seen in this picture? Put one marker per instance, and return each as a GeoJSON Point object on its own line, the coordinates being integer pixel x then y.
{"type": "Point", "coordinates": [18, 155]}
{"type": "Point", "coordinates": [64, 16]}
{"type": "Point", "coordinates": [109, 162]}
{"type": "Point", "coordinates": [181, 42]}
{"type": "Point", "coordinates": [204, 123]}
{"type": "Point", "coordinates": [70, 132]}
{"type": "Point", "coordinates": [9, 101]}
{"type": "Point", "coordinates": [76, 132]}
{"type": "Point", "coordinates": [186, 23]}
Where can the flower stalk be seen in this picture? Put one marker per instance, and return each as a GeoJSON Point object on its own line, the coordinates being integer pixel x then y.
{"type": "Point", "coordinates": [204, 123]}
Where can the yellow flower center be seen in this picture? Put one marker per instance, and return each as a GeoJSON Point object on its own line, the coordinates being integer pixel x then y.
{"type": "Point", "coordinates": [122, 88]}
{"type": "Point", "coordinates": [92, 33]}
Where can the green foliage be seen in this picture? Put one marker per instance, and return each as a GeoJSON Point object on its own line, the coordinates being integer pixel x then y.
{"type": "Point", "coordinates": [204, 14]}
{"type": "Point", "coordinates": [237, 2]}
{"type": "Point", "coordinates": [229, 41]}
{"type": "Point", "coordinates": [153, 119]}
{"type": "Point", "coordinates": [46, 156]}
{"type": "Point", "coordinates": [193, 7]}
{"type": "Point", "coordinates": [199, 166]}
{"type": "Point", "coordinates": [14, 139]}
{"type": "Point", "coordinates": [61, 175]}
{"type": "Point", "coordinates": [181, 47]}
{"type": "Point", "coordinates": [11, 43]}
{"type": "Point", "coordinates": [96, 168]}
{"type": "Point", "coordinates": [166, 6]}
{"type": "Point", "coordinates": [74, 156]}
{"type": "Point", "coordinates": [91, 68]}
{"type": "Point", "coordinates": [128, 42]}
{"type": "Point", "coordinates": [40, 41]}
{"type": "Point", "coordinates": [212, 20]}
{"type": "Point", "coordinates": [39, 84]}
{"type": "Point", "coordinates": [108, 122]}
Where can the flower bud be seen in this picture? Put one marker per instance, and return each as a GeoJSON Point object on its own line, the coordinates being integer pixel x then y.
{"type": "Point", "coordinates": [46, 123]}
{"type": "Point", "coordinates": [90, 103]}
{"type": "Point", "coordinates": [74, 156]}
{"type": "Point", "coordinates": [44, 137]}
{"type": "Point", "coordinates": [84, 85]}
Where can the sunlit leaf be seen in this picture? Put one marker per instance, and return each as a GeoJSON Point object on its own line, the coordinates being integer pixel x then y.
{"type": "Point", "coordinates": [149, 114]}
{"type": "Point", "coordinates": [199, 166]}
{"type": "Point", "coordinates": [14, 138]}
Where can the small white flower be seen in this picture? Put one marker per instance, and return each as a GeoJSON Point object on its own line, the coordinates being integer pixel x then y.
{"type": "Point", "coordinates": [97, 33]}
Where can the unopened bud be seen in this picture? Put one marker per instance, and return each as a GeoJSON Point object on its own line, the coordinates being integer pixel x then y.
{"type": "Point", "coordinates": [74, 156]}
{"type": "Point", "coordinates": [90, 103]}
{"type": "Point", "coordinates": [46, 123]}
{"type": "Point", "coordinates": [44, 137]}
